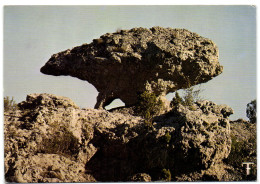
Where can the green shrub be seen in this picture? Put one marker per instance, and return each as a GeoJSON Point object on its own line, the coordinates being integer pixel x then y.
{"type": "Point", "coordinates": [238, 153]}
{"type": "Point", "coordinates": [148, 106]}
{"type": "Point", "coordinates": [243, 151]}
{"type": "Point", "coordinates": [176, 100]}
{"type": "Point", "coordinates": [189, 97]}
{"type": "Point", "coordinates": [61, 142]}
{"type": "Point", "coordinates": [9, 104]}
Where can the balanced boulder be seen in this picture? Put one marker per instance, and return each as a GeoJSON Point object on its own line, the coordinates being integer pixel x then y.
{"type": "Point", "coordinates": [126, 63]}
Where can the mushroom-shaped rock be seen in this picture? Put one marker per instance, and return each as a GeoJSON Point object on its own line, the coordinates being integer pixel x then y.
{"type": "Point", "coordinates": [129, 62]}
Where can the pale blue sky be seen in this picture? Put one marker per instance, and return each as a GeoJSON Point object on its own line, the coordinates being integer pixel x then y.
{"type": "Point", "coordinates": [33, 33]}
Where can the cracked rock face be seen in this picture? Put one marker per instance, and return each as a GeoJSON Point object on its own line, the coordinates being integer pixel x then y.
{"type": "Point", "coordinates": [50, 139]}
{"type": "Point", "coordinates": [127, 63]}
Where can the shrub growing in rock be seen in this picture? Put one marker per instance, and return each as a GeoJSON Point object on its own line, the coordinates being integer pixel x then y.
{"type": "Point", "coordinates": [9, 104]}
{"type": "Point", "coordinates": [61, 142]}
{"type": "Point", "coordinates": [189, 97]}
{"type": "Point", "coordinates": [148, 106]}
{"type": "Point", "coordinates": [176, 100]}
{"type": "Point", "coordinates": [242, 151]}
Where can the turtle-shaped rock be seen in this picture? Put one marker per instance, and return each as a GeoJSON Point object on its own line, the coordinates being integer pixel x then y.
{"type": "Point", "coordinates": [128, 62]}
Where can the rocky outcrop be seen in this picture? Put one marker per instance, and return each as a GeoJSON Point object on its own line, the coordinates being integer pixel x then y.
{"type": "Point", "coordinates": [129, 62]}
{"type": "Point", "coordinates": [242, 129]}
{"type": "Point", "coordinates": [50, 139]}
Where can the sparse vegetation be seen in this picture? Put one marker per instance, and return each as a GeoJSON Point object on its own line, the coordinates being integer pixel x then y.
{"type": "Point", "coordinates": [176, 100]}
{"type": "Point", "coordinates": [243, 151]}
{"type": "Point", "coordinates": [148, 106]}
{"type": "Point", "coordinates": [9, 104]}
{"type": "Point", "coordinates": [189, 97]}
{"type": "Point", "coordinates": [61, 142]}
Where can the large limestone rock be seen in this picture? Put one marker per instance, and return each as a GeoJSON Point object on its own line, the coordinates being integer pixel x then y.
{"type": "Point", "coordinates": [50, 139]}
{"type": "Point", "coordinates": [126, 63]}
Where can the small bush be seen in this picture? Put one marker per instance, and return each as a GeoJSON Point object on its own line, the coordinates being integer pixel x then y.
{"type": "Point", "coordinates": [243, 151]}
{"type": "Point", "coordinates": [9, 104]}
{"type": "Point", "coordinates": [189, 97]}
{"type": "Point", "coordinates": [61, 142]}
{"type": "Point", "coordinates": [176, 100]}
{"type": "Point", "coordinates": [148, 105]}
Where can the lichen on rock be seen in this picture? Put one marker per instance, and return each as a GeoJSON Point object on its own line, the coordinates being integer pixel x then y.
{"type": "Point", "coordinates": [127, 63]}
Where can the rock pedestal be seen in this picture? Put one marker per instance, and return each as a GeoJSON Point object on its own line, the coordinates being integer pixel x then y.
{"type": "Point", "coordinates": [50, 139]}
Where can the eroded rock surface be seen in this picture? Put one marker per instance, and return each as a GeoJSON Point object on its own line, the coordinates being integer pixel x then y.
{"type": "Point", "coordinates": [50, 139]}
{"type": "Point", "coordinates": [127, 63]}
{"type": "Point", "coordinates": [141, 177]}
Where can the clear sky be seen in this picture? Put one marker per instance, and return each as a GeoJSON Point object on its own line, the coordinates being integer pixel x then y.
{"type": "Point", "coordinates": [33, 33]}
